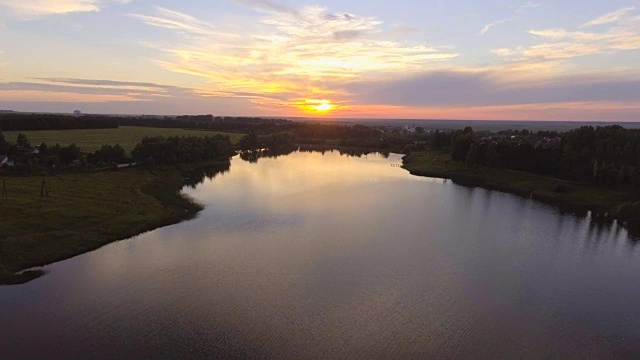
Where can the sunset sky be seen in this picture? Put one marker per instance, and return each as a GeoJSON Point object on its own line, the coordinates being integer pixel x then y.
{"type": "Point", "coordinates": [498, 59]}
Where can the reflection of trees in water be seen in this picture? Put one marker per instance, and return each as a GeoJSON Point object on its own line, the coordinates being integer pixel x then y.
{"type": "Point", "coordinates": [600, 225]}
{"type": "Point", "coordinates": [253, 156]}
{"type": "Point", "coordinates": [634, 234]}
{"type": "Point", "coordinates": [350, 152]}
{"type": "Point", "coordinates": [196, 177]}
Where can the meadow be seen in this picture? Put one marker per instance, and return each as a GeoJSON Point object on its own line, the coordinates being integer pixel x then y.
{"type": "Point", "coordinates": [90, 140]}
{"type": "Point", "coordinates": [81, 212]}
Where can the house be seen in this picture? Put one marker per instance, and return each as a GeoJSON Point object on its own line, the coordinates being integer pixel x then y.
{"type": "Point", "coordinates": [4, 161]}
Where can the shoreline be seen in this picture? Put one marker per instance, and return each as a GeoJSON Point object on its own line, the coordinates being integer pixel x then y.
{"type": "Point", "coordinates": [152, 199]}
{"type": "Point", "coordinates": [154, 202]}
{"type": "Point", "coordinates": [603, 203]}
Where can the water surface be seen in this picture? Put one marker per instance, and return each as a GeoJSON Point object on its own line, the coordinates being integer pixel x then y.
{"type": "Point", "coordinates": [315, 255]}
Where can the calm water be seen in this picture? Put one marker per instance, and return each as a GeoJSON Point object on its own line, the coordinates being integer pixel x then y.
{"type": "Point", "coordinates": [328, 256]}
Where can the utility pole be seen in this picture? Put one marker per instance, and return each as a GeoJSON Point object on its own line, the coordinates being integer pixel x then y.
{"type": "Point", "coordinates": [4, 190]}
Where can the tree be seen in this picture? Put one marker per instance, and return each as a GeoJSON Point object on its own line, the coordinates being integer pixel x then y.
{"type": "Point", "coordinates": [22, 140]}
{"type": "Point", "coordinates": [44, 150]}
{"type": "Point", "coordinates": [440, 141]}
{"type": "Point", "coordinates": [492, 157]}
{"type": "Point", "coordinates": [4, 145]}
{"type": "Point", "coordinates": [472, 156]}
{"type": "Point", "coordinates": [461, 146]}
{"type": "Point", "coordinates": [250, 141]}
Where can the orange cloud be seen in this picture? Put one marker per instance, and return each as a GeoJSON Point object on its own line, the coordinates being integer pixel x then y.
{"type": "Point", "coordinates": [289, 54]}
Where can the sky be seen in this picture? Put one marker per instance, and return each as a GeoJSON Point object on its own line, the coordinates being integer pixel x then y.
{"type": "Point", "coordinates": [417, 59]}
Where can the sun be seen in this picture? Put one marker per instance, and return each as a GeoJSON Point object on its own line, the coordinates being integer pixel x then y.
{"type": "Point", "coordinates": [318, 106]}
{"type": "Point", "coordinates": [324, 107]}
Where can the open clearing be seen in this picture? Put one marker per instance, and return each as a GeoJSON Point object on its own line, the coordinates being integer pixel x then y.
{"type": "Point", "coordinates": [90, 140]}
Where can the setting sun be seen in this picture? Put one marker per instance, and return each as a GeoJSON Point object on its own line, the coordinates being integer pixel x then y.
{"type": "Point", "coordinates": [318, 106]}
{"type": "Point", "coordinates": [324, 107]}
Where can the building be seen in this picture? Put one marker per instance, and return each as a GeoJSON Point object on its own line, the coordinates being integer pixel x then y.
{"type": "Point", "coordinates": [4, 161]}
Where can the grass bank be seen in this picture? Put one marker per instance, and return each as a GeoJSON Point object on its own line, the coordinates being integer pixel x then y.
{"type": "Point", "coordinates": [90, 140]}
{"type": "Point", "coordinates": [570, 195]}
{"type": "Point", "coordinates": [83, 212]}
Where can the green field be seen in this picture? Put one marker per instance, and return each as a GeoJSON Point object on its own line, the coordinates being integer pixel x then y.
{"type": "Point", "coordinates": [90, 140]}
{"type": "Point", "coordinates": [83, 212]}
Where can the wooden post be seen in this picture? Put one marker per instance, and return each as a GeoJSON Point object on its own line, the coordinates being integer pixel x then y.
{"type": "Point", "coordinates": [44, 191]}
{"type": "Point", "coordinates": [4, 190]}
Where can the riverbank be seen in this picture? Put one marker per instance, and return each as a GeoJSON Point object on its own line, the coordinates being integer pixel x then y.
{"type": "Point", "coordinates": [83, 212]}
{"type": "Point", "coordinates": [603, 202]}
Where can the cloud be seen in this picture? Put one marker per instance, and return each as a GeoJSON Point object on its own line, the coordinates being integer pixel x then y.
{"type": "Point", "coordinates": [495, 88]}
{"type": "Point", "coordinates": [30, 9]}
{"type": "Point", "coordinates": [518, 10]}
{"type": "Point", "coordinates": [108, 83]}
{"type": "Point", "coordinates": [177, 21]}
{"type": "Point", "coordinates": [610, 17]}
{"type": "Point", "coordinates": [92, 90]}
{"type": "Point", "coordinates": [489, 26]}
{"type": "Point", "coordinates": [71, 86]}
{"type": "Point", "coordinates": [528, 5]}
{"type": "Point", "coordinates": [287, 54]}
{"type": "Point", "coordinates": [269, 6]}
{"type": "Point", "coordinates": [125, 97]}
{"type": "Point", "coordinates": [38, 8]}
{"type": "Point", "coordinates": [623, 34]}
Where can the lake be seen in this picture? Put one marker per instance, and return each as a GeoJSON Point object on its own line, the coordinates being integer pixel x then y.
{"type": "Point", "coordinates": [328, 256]}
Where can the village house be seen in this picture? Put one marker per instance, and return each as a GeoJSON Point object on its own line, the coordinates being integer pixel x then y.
{"type": "Point", "coordinates": [4, 161]}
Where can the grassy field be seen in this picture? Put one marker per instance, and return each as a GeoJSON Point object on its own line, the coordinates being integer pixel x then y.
{"type": "Point", "coordinates": [90, 140]}
{"type": "Point", "coordinates": [576, 195]}
{"type": "Point", "coordinates": [83, 212]}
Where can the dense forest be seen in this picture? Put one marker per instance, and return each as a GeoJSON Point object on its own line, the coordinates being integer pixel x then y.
{"type": "Point", "coordinates": [26, 122]}
{"type": "Point", "coordinates": [160, 150]}
{"type": "Point", "coordinates": [12, 121]}
{"type": "Point", "coordinates": [605, 156]}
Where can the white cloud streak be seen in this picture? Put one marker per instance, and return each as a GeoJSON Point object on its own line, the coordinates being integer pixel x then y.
{"type": "Point", "coordinates": [623, 34]}
{"type": "Point", "coordinates": [528, 5]}
{"type": "Point", "coordinates": [268, 6]}
{"type": "Point", "coordinates": [489, 26]}
{"type": "Point", "coordinates": [518, 10]}
{"type": "Point", "coordinates": [32, 9]}
{"type": "Point", "coordinates": [611, 17]}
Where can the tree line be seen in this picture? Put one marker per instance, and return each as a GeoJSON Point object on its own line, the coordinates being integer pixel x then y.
{"type": "Point", "coordinates": [605, 156]}
{"type": "Point", "coordinates": [27, 122]}
{"type": "Point", "coordinates": [45, 159]}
